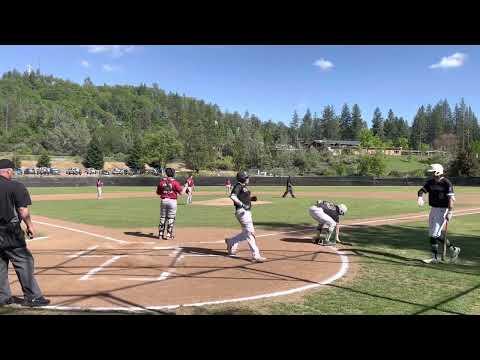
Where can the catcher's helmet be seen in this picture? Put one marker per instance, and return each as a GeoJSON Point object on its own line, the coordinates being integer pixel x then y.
{"type": "Point", "coordinates": [170, 172]}
{"type": "Point", "coordinates": [436, 169]}
{"type": "Point", "coordinates": [242, 176]}
{"type": "Point", "coordinates": [343, 209]}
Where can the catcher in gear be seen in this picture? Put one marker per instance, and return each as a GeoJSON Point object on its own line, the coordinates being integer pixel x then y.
{"type": "Point", "coordinates": [440, 198]}
{"type": "Point", "coordinates": [327, 214]}
{"type": "Point", "coordinates": [242, 201]}
{"type": "Point", "coordinates": [168, 189]}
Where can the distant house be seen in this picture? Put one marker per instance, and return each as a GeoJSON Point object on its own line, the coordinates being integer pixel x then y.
{"type": "Point", "coordinates": [285, 147]}
{"type": "Point", "coordinates": [333, 144]}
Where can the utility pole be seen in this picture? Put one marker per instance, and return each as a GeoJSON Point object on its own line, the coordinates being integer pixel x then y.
{"type": "Point", "coordinates": [6, 119]}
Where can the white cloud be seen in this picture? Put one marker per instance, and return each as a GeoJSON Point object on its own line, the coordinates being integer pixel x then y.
{"type": "Point", "coordinates": [452, 61]}
{"type": "Point", "coordinates": [323, 64]}
{"type": "Point", "coordinates": [110, 68]}
{"type": "Point", "coordinates": [85, 63]}
{"type": "Point", "coordinates": [115, 51]}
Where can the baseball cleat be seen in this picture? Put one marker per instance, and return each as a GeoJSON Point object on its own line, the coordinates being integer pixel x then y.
{"type": "Point", "coordinates": [316, 240]}
{"type": "Point", "coordinates": [259, 259]}
{"type": "Point", "coordinates": [229, 248]}
{"type": "Point", "coordinates": [327, 243]}
{"type": "Point", "coordinates": [433, 260]}
{"type": "Point", "coordinates": [454, 253]}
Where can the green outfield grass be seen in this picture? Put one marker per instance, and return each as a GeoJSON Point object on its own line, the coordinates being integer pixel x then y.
{"type": "Point", "coordinates": [144, 212]}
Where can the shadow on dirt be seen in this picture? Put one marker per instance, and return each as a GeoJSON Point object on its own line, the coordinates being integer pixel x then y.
{"type": "Point", "coordinates": [140, 234]}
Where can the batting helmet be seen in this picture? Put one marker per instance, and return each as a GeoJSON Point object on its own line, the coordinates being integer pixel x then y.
{"type": "Point", "coordinates": [242, 176]}
{"type": "Point", "coordinates": [436, 169]}
{"type": "Point", "coordinates": [343, 209]}
{"type": "Point", "coordinates": [170, 172]}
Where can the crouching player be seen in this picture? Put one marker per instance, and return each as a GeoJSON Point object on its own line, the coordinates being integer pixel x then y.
{"type": "Point", "coordinates": [168, 189]}
{"type": "Point", "coordinates": [327, 214]}
{"type": "Point", "coordinates": [440, 198]}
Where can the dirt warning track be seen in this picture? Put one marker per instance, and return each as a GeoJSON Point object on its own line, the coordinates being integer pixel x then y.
{"type": "Point", "coordinates": [95, 268]}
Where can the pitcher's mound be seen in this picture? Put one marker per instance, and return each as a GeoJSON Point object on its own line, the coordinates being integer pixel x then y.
{"type": "Point", "coordinates": [224, 202]}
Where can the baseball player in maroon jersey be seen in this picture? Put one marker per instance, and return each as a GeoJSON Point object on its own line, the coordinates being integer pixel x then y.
{"type": "Point", "coordinates": [228, 186]}
{"type": "Point", "coordinates": [190, 186]}
{"type": "Point", "coordinates": [99, 188]}
{"type": "Point", "coordinates": [168, 189]}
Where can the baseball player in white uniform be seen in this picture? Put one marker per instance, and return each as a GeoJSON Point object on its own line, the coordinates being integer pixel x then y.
{"type": "Point", "coordinates": [327, 214]}
{"type": "Point", "coordinates": [242, 201]}
{"type": "Point", "coordinates": [441, 198]}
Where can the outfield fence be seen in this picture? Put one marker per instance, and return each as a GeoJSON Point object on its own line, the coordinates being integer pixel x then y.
{"type": "Point", "coordinates": [74, 181]}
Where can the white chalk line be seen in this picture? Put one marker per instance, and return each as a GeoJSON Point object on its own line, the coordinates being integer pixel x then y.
{"type": "Point", "coordinates": [38, 238]}
{"type": "Point", "coordinates": [80, 253]}
{"type": "Point", "coordinates": [92, 272]}
{"type": "Point", "coordinates": [343, 270]}
{"type": "Point", "coordinates": [163, 276]}
{"type": "Point", "coordinates": [82, 232]}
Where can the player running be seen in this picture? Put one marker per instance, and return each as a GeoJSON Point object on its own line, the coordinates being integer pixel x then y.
{"type": "Point", "coordinates": [228, 186]}
{"type": "Point", "coordinates": [242, 201]}
{"type": "Point", "coordinates": [190, 186]}
{"type": "Point", "coordinates": [168, 189]}
{"type": "Point", "coordinates": [327, 214]}
{"type": "Point", "coordinates": [440, 198]}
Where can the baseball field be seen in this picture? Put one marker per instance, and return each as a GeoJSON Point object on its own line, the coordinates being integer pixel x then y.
{"type": "Point", "coordinates": [103, 255]}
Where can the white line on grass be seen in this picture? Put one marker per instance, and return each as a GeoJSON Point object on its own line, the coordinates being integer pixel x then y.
{"type": "Point", "coordinates": [92, 272]}
{"type": "Point", "coordinates": [82, 232]}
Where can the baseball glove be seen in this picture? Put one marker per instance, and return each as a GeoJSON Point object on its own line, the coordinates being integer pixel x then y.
{"type": "Point", "coordinates": [253, 198]}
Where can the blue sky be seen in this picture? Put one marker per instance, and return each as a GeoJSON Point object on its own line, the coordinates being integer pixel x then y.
{"type": "Point", "coordinates": [272, 81]}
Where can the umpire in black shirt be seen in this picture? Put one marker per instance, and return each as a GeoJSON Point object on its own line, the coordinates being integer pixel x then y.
{"type": "Point", "coordinates": [14, 202]}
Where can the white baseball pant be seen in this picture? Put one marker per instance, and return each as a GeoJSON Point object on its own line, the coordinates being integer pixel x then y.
{"type": "Point", "coordinates": [244, 217]}
{"type": "Point", "coordinates": [168, 211]}
{"type": "Point", "coordinates": [319, 215]}
{"type": "Point", "coordinates": [190, 195]}
{"type": "Point", "coordinates": [99, 192]}
{"type": "Point", "coordinates": [436, 220]}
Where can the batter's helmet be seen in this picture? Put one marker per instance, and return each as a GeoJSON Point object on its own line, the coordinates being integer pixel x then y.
{"type": "Point", "coordinates": [170, 172]}
{"type": "Point", "coordinates": [242, 176]}
{"type": "Point", "coordinates": [436, 169]}
{"type": "Point", "coordinates": [343, 209]}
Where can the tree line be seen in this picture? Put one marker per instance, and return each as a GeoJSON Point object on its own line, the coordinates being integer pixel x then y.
{"type": "Point", "coordinates": [144, 124]}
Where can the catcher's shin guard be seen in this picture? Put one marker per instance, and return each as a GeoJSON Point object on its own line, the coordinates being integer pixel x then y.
{"type": "Point", "coordinates": [161, 227]}
{"type": "Point", "coordinates": [171, 227]}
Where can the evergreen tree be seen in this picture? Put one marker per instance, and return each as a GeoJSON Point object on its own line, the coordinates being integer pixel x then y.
{"type": "Point", "coordinates": [465, 164]}
{"type": "Point", "coordinates": [306, 129]}
{"type": "Point", "coordinates": [390, 129]}
{"type": "Point", "coordinates": [94, 157]}
{"type": "Point", "coordinates": [346, 124]}
{"type": "Point", "coordinates": [135, 155]}
{"type": "Point", "coordinates": [44, 160]}
{"type": "Point", "coordinates": [377, 123]}
{"type": "Point", "coordinates": [357, 122]}
{"type": "Point", "coordinates": [419, 127]}
{"type": "Point", "coordinates": [294, 126]}
{"type": "Point", "coordinates": [330, 124]}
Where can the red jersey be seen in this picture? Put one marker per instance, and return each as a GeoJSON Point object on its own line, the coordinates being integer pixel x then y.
{"type": "Point", "coordinates": [99, 183]}
{"type": "Point", "coordinates": [190, 182]}
{"type": "Point", "coordinates": [228, 182]}
{"type": "Point", "coordinates": [169, 188]}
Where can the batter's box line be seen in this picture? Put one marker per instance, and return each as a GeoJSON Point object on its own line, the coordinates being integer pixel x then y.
{"type": "Point", "coordinates": [92, 272]}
